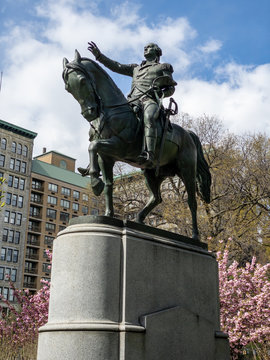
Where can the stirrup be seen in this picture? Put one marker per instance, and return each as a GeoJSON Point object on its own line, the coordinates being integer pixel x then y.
{"type": "Point", "coordinates": [145, 156]}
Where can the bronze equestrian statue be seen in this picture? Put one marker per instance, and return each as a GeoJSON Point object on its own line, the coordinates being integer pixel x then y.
{"type": "Point", "coordinates": [117, 134]}
{"type": "Point", "coordinates": [143, 77]}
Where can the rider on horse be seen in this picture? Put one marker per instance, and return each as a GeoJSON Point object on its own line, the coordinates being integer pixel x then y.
{"type": "Point", "coordinates": [151, 82]}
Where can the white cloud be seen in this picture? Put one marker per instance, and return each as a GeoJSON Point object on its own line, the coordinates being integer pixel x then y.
{"type": "Point", "coordinates": [241, 100]}
{"type": "Point", "coordinates": [33, 94]}
{"type": "Point", "coordinates": [211, 46]}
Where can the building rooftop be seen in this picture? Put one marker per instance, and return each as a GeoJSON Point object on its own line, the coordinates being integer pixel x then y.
{"type": "Point", "coordinates": [54, 152]}
{"type": "Point", "coordinates": [17, 129]}
{"type": "Point", "coordinates": [55, 172]}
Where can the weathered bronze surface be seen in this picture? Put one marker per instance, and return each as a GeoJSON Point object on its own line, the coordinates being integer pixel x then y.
{"type": "Point", "coordinates": [116, 133]}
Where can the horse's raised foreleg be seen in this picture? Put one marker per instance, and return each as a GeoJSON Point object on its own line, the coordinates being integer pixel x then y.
{"type": "Point", "coordinates": [93, 169]}
{"type": "Point", "coordinates": [106, 166]}
{"type": "Point", "coordinates": [103, 148]}
{"type": "Point", "coordinates": [153, 184]}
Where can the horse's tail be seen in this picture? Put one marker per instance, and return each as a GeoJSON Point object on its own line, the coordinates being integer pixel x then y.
{"type": "Point", "coordinates": [203, 175]}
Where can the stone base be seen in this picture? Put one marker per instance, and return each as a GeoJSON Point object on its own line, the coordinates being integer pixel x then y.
{"type": "Point", "coordinates": [131, 292]}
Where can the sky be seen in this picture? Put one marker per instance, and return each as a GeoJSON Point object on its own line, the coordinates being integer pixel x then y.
{"type": "Point", "coordinates": [219, 51]}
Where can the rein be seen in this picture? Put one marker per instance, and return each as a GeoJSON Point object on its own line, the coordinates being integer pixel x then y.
{"type": "Point", "coordinates": [79, 67]}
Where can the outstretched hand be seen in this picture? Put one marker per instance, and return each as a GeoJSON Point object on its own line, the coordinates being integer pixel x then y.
{"type": "Point", "coordinates": [94, 49]}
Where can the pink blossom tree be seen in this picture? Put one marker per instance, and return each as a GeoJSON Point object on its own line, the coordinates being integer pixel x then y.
{"type": "Point", "coordinates": [245, 305]}
{"type": "Point", "coordinates": [19, 329]}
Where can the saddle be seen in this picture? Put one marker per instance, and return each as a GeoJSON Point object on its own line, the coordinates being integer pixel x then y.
{"type": "Point", "coordinates": [160, 121]}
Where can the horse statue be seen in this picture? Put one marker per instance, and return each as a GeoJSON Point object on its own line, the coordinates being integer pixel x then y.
{"type": "Point", "coordinates": [116, 134]}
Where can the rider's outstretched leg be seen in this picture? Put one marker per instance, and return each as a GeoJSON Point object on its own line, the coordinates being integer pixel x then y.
{"type": "Point", "coordinates": [151, 112]}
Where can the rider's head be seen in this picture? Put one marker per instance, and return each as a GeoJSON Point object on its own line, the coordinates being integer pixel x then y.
{"type": "Point", "coordinates": [152, 51]}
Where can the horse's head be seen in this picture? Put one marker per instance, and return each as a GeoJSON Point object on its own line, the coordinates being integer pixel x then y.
{"type": "Point", "coordinates": [79, 83]}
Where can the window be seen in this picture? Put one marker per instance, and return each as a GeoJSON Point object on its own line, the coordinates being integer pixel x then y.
{"type": "Point", "coordinates": [29, 281]}
{"type": "Point", "coordinates": [15, 255]}
{"type": "Point", "coordinates": [32, 239]}
{"type": "Point", "coordinates": [51, 213]}
{"type": "Point", "coordinates": [37, 185]}
{"type": "Point", "coordinates": [8, 198]}
{"type": "Point", "coordinates": [20, 201]}
{"type": "Point", "coordinates": [94, 211]}
{"type": "Point", "coordinates": [23, 168]}
{"type": "Point", "coordinates": [3, 253]}
{"type": "Point", "coordinates": [61, 227]}
{"type": "Point", "coordinates": [75, 207]}
{"type": "Point", "coordinates": [29, 267]}
{"type": "Point", "coordinates": [16, 182]}
{"type": "Point", "coordinates": [7, 216]}
{"type": "Point", "coordinates": [85, 210]}
{"type": "Point", "coordinates": [7, 273]}
{"type": "Point", "coordinates": [94, 202]}
{"type": "Point", "coordinates": [12, 217]}
{"type": "Point", "coordinates": [50, 227]}
{"type": "Point", "coordinates": [46, 267]}
{"type": "Point", "coordinates": [17, 237]}
{"type": "Point", "coordinates": [52, 200]}
{"type": "Point", "coordinates": [2, 160]}
{"type": "Point", "coordinates": [64, 216]}
{"type": "Point", "coordinates": [14, 200]}
{"type": "Point", "coordinates": [13, 147]}
{"type": "Point", "coordinates": [11, 236]}
{"type": "Point", "coordinates": [25, 150]}
{"type": "Point", "coordinates": [22, 182]}
{"type": "Point", "coordinates": [3, 143]}
{"type": "Point", "coordinates": [34, 211]}
{"type": "Point", "coordinates": [48, 240]}
{"type": "Point", "coordinates": [53, 187]}
{"type": "Point", "coordinates": [5, 293]}
{"type": "Point", "coordinates": [34, 225]}
{"type": "Point", "coordinates": [65, 203]}
{"type": "Point", "coordinates": [17, 165]}
{"type": "Point", "coordinates": [19, 149]}
{"type": "Point", "coordinates": [35, 198]}
{"type": "Point", "coordinates": [11, 163]}
{"type": "Point", "coordinates": [63, 164]}
{"type": "Point", "coordinates": [10, 180]}
{"type": "Point", "coordinates": [11, 295]}
{"type": "Point", "coordinates": [85, 197]}
{"type": "Point", "coordinates": [19, 219]}
{"type": "Point", "coordinates": [65, 191]}
{"type": "Point", "coordinates": [2, 272]}
{"type": "Point", "coordinates": [13, 275]}
{"type": "Point", "coordinates": [76, 194]}
{"type": "Point", "coordinates": [5, 235]}
{"type": "Point", "coordinates": [9, 255]}
{"type": "Point", "coordinates": [31, 253]}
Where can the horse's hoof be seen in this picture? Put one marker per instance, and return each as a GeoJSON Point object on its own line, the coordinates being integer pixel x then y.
{"type": "Point", "coordinates": [196, 237]}
{"type": "Point", "coordinates": [83, 171]}
{"type": "Point", "coordinates": [97, 186]}
{"type": "Point", "coordinates": [109, 213]}
{"type": "Point", "coordinates": [139, 220]}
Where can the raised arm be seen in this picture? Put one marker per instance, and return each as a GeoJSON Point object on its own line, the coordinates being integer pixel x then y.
{"type": "Point", "coordinates": [124, 69]}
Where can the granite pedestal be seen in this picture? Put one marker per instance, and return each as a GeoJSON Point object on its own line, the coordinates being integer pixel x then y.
{"type": "Point", "coordinates": [124, 291]}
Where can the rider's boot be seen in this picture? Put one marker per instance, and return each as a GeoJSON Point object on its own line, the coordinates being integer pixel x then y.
{"type": "Point", "coordinates": [147, 157]}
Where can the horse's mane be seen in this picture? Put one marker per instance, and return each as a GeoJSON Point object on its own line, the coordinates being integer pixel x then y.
{"type": "Point", "coordinates": [105, 74]}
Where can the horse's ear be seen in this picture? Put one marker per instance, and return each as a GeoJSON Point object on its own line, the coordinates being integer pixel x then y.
{"type": "Point", "coordinates": [77, 56]}
{"type": "Point", "coordinates": [65, 62]}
